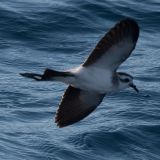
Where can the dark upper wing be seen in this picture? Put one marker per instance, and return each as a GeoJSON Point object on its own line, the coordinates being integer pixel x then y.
{"type": "Point", "coordinates": [116, 46]}
{"type": "Point", "coordinates": [75, 105]}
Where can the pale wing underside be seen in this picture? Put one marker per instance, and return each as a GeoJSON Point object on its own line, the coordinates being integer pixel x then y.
{"type": "Point", "coordinates": [115, 47]}
{"type": "Point", "coordinates": [75, 105]}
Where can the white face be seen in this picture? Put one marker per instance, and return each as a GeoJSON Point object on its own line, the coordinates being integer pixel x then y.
{"type": "Point", "coordinates": [125, 81]}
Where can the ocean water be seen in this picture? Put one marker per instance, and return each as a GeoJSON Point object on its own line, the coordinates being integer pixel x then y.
{"type": "Point", "coordinates": [40, 34]}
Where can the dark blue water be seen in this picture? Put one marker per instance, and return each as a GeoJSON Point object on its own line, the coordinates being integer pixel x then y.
{"type": "Point", "coordinates": [58, 34]}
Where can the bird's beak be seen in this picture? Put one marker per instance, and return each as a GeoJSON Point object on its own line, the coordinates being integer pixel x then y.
{"type": "Point", "coordinates": [134, 87]}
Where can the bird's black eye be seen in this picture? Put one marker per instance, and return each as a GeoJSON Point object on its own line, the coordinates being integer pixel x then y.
{"type": "Point", "coordinates": [126, 80]}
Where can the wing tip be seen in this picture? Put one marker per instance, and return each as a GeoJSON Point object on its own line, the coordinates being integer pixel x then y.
{"type": "Point", "coordinates": [58, 122]}
{"type": "Point", "coordinates": [132, 25]}
{"type": "Point", "coordinates": [59, 125]}
{"type": "Point", "coordinates": [130, 20]}
{"type": "Point", "coordinates": [59, 119]}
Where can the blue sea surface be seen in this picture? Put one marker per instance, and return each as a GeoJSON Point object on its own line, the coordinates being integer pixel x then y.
{"type": "Point", "coordinates": [57, 34]}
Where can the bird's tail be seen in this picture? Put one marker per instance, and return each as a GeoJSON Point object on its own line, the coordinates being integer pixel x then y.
{"type": "Point", "coordinates": [48, 74]}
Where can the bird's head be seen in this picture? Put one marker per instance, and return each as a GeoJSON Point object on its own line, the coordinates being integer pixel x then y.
{"type": "Point", "coordinates": [125, 81]}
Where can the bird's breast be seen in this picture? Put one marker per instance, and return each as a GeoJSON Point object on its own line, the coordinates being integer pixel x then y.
{"type": "Point", "coordinates": [91, 78]}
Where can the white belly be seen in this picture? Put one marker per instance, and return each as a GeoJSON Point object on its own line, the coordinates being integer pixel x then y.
{"type": "Point", "coordinates": [92, 78]}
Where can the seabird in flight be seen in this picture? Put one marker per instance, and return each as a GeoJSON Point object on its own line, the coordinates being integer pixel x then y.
{"type": "Point", "coordinates": [97, 76]}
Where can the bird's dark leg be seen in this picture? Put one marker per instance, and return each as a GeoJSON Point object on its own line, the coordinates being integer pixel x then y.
{"type": "Point", "coordinates": [47, 75]}
{"type": "Point", "coordinates": [35, 76]}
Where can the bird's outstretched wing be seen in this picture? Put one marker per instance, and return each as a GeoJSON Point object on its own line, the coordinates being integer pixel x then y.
{"type": "Point", "coordinates": [75, 105]}
{"type": "Point", "coordinates": [116, 46]}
